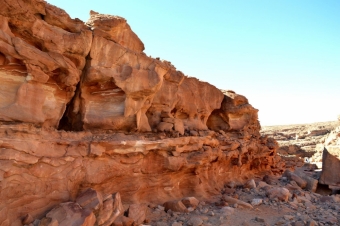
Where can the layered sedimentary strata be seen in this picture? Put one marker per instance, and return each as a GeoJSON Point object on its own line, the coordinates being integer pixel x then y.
{"type": "Point", "coordinates": [42, 168]}
{"type": "Point", "coordinates": [42, 54]}
{"type": "Point", "coordinates": [135, 124]}
{"type": "Point", "coordinates": [123, 89]}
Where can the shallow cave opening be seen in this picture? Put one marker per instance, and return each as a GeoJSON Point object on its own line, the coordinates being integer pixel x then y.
{"type": "Point", "coordinates": [180, 114]}
{"type": "Point", "coordinates": [71, 120]}
{"type": "Point", "coordinates": [216, 122]}
{"type": "Point", "coordinates": [39, 16]}
{"type": "Point", "coordinates": [2, 59]}
{"type": "Point", "coordinates": [173, 111]}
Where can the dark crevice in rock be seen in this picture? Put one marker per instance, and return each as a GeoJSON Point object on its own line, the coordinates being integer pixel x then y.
{"type": "Point", "coordinates": [71, 120]}
{"type": "Point", "coordinates": [39, 16]}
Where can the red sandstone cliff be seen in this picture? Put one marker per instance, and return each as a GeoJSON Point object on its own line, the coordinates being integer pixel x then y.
{"type": "Point", "coordinates": [135, 124]}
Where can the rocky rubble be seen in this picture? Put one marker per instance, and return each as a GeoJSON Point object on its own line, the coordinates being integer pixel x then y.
{"type": "Point", "coordinates": [316, 143]}
{"type": "Point", "coordinates": [318, 146]}
{"type": "Point", "coordinates": [282, 202]}
{"type": "Point", "coordinates": [301, 143]}
{"type": "Point", "coordinates": [90, 124]}
{"type": "Point", "coordinates": [42, 168]}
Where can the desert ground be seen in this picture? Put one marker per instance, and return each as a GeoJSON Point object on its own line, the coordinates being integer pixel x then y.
{"type": "Point", "coordinates": [301, 146]}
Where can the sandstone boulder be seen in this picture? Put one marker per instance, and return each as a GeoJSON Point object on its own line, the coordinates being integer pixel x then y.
{"type": "Point", "coordinates": [111, 210]}
{"type": "Point", "coordinates": [69, 213]}
{"type": "Point", "coordinates": [331, 160]}
{"type": "Point", "coordinates": [256, 202]}
{"type": "Point", "coordinates": [190, 202]}
{"type": "Point", "coordinates": [281, 194]}
{"type": "Point", "coordinates": [90, 199]}
{"type": "Point", "coordinates": [176, 206]}
{"type": "Point", "coordinates": [137, 212]}
{"type": "Point", "coordinates": [227, 211]}
{"type": "Point", "coordinates": [232, 201]}
{"type": "Point", "coordinates": [292, 176]}
{"type": "Point", "coordinates": [195, 221]}
{"type": "Point", "coordinates": [312, 183]}
{"type": "Point", "coordinates": [250, 184]}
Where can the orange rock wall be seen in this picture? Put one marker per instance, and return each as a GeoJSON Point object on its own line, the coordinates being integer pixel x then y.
{"type": "Point", "coordinates": [41, 168]}
{"type": "Point", "coordinates": [144, 128]}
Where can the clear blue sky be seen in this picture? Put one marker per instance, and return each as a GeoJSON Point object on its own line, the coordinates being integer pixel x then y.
{"type": "Point", "coordinates": [283, 55]}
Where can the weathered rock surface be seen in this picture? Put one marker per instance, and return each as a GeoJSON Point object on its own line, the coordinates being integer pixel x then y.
{"type": "Point", "coordinates": [89, 209]}
{"type": "Point", "coordinates": [302, 207]}
{"type": "Point", "coordinates": [331, 160]}
{"type": "Point", "coordinates": [42, 55]}
{"type": "Point", "coordinates": [145, 129]}
{"type": "Point", "coordinates": [301, 143]}
{"type": "Point", "coordinates": [175, 206]}
{"type": "Point", "coordinates": [281, 194]}
{"type": "Point", "coordinates": [317, 143]}
{"type": "Point", "coordinates": [123, 89]}
{"type": "Point", "coordinates": [190, 202]}
{"type": "Point", "coordinates": [69, 213]}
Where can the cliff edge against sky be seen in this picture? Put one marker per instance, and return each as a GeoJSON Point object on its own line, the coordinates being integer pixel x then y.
{"type": "Point", "coordinates": [81, 106]}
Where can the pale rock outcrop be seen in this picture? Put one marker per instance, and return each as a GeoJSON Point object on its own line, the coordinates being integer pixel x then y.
{"type": "Point", "coordinates": [331, 161]}
{"type": "Point", "coordinates": [281, 194]}
{"type": "Point", "coordinates": [301, 143]}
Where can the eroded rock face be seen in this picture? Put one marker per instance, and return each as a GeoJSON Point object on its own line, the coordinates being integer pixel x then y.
{"type": "Point", "coordinates": [235, 114]}
{"type": "Point", "coordinates": [145, 129]}
{"type": "Point", "coordinates": [123, 89]}
{"type": "Point", "coordinates": [42, 168]}
{"type": "Point", "coordinates": [42, 54]}
{"type": "Point", "coordinates": [69, 213]}
{"type": "Point", "coordinates": [331, 160]}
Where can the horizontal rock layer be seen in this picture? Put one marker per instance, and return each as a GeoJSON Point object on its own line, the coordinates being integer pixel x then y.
{"type": "Point", "coordinates": [146, 130]}
{"type": "Point", "coordinates": [42, 168]}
